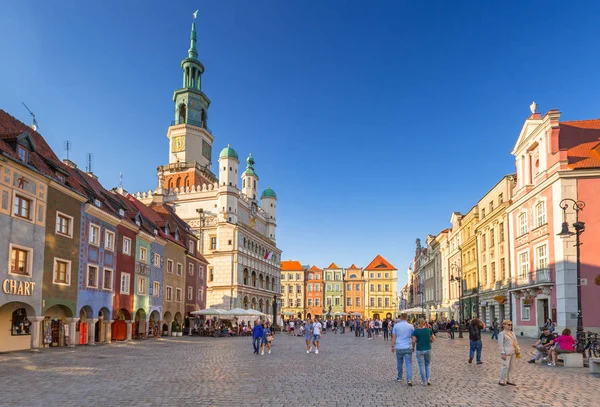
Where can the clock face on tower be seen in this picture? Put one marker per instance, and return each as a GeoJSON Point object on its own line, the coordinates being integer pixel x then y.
{"type": "Point", "coordinates": [177, 144]}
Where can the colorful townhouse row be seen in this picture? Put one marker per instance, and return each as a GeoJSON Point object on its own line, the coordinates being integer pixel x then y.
{"type": "Point", "coordinates": [82, 264]}
{"type": "Point", "coordinates": [311, 291]}
{"type": "Point", "coordinates": [514, 254]}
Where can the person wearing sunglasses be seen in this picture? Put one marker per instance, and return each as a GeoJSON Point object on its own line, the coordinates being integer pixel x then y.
{"type": "Point", "coordinates": [509, 352]}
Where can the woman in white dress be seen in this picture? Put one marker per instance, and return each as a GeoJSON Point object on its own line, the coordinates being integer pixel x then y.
{"type": "Point", "coordinates": [509, 352]}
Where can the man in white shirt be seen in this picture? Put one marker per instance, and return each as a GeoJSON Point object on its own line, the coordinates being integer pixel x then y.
{"type": "Point", "coordinates": [317, 327]}
{"type": "Point", "coordinates": [402, 346]}
{"type": "Point", "coordinates": [291, 327]}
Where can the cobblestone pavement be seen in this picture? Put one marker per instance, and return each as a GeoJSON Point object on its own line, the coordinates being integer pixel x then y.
{"type": "Point", "coordinates": [348, 371]}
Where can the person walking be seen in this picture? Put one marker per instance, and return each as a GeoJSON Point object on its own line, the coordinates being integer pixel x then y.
{"type": "Point", "coordinates": [422, 337]}
{"type": "Point", "coordinates": [452, 328]}
{"type": "Point", "coordinates": [316, 330]}
{"type": "Point", "coordinates": [509, 352]}
{"type": "Point", "coordinates": [267, 338]}
{"type": "Point", "coordinates": [495, 328]}
{"type": "Point", "coordinates": [257, 333]}
{"type": "Point", "coordinates": [475, 327]}
{"type": "Point", "coordinates": [308, 333]}
{"type": "Point", "coordinates": [402, 346]}
{"type": "Point", "coordinates": [385, 325]}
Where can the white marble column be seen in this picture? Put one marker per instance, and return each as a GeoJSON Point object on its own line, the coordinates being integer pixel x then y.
{"type": "Point", "coordinates": [92, 331]}
{"type": "Point", "coordinates": [129, 325]}
{"type": "Point", "coordinates": [35, 332]}
{"type": "Point", "coordinates": [108, 331]}
{"type": "Point", "coordinates": [73, 337]}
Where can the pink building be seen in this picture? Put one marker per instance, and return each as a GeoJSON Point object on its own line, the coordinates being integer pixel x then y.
{"type": "Point", "coordinates": [554, 160]}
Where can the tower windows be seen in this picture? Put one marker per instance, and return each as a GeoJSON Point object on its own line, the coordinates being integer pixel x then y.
{"type": "Point", "coordinates": [182, 114]}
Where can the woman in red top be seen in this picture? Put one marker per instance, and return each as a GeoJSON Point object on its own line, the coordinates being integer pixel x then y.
{"type": "Point", "coordinates": [563, 344]}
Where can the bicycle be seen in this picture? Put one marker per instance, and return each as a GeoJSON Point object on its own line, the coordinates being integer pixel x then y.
{"type": "Point", "coordinates": [588, 344]}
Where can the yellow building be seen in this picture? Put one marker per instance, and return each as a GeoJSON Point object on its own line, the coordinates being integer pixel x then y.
{"type": "Point", "coordinates": [292, 289]}
{"type": "Point", "coordinates": [468, 248]}
{"type": "Point", "coordinates": [380, 298]}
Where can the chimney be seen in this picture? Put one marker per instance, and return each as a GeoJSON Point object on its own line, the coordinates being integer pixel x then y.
{"type": "Point", "coordinates": [69, 163]}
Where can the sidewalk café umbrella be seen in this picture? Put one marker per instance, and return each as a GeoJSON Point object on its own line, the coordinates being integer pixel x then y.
{"type": "Point", "coordinates": [289, 313]}
{"type": "Point", "coordinates": [355, 314]}
{"type": "Point", "coordinates": [254, 312]}
{"type": "Point", "coordinates": [239, 312]}
{"type": "Point", "coordinates": [417, 310]}
{"type": "Point", "coordinates": [209, 311]}
{"type": "Point", "coordinates": [340, 313]}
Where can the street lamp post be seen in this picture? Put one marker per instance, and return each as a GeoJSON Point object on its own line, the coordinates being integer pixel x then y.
{"type": "Point", "coordinates": [566, 232]}
{"type": "Point", "coordinates": [459, 280]}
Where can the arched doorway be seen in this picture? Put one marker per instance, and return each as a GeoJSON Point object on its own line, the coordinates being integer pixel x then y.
{"type": "Point", "coordinates": [168, 320]}
{"type": "Point", "coordinates": [86, 315]}
{"type": "Point", "coordinates": [119, 326]}
{"type": "Point", "coordinates": [139, 327]}
{"type": "Point", "coordinates": [154, 325]}
{"type": "Point", "coordinates": [100, 328]}
{"type": "Point", "coordinates": [253, 303]}
{"type": "Point", "coordinates": [16, 325]}
{"type": "Point", "coordinates": [55, 329]}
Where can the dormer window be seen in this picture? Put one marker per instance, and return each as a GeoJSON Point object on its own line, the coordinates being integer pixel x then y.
{"type": "Point", "coordinates": [167, 229]}
{"type": "Point", "coordinates": [23, 153]}
{"type": "Point", "coordinates": [60, 177]}
{"type": "Point", "coordinates": [177, 234]}
{"type": "Point", "coordinates": [121, 212]}
{"type": "Point", "coordinates": [97, 203]}
{"type": "Point", "coordinates": [155, 232]}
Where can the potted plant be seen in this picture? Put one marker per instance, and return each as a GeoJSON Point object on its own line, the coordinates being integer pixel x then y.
{"type": "Point", "coordinates": [165, 328]}
{"type": "Point", "coordinates": [179, 330]}
{"type": "Point", "coordinates": [174, 328]}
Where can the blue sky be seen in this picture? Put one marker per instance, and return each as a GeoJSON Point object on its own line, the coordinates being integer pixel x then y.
{"type": "Point", "coordinates": [372, 121]}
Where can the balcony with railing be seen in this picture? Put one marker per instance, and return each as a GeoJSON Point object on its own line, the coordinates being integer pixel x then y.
{"type": "Point", "coordinates": [537, 277]}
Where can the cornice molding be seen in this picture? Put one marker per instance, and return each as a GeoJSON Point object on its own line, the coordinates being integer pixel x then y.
{"type": "Point", "coordinates": [90, 209]}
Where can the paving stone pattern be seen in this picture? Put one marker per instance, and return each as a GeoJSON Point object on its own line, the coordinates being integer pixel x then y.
{"type": "Point", "coordinates": [348, 371]}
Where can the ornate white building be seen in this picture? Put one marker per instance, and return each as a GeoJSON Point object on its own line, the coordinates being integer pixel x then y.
{"type": "Point", "coordinates": [236, 229]}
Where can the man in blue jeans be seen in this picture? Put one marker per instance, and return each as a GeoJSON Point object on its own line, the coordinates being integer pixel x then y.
{"type": "Point", "coordinates": [402, 345]}
{"type": "Point", "coordinates": [475, 327]}
{"type": "Point", "coordinates": [257, 334]}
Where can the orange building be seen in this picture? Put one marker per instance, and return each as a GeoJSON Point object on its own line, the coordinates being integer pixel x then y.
{"type": "Point", "coordinates": [354, 290]}
{"type": "Point", "coordinates": [313, 292]}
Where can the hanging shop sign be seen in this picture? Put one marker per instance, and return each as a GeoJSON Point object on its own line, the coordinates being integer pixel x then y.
{"type": "Point", "coordinates": [15, 287]}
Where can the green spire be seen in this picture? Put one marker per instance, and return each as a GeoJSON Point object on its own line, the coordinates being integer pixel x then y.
{"type": "Point", "coordinates": [250, 166]}
{"type": "Point", "coordinates": [192, 53]}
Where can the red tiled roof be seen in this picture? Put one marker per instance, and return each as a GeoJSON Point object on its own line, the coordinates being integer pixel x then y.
{"type": "Point", "coordinates": [353, 267]}
{"type": "Point", "coordinates": [578, 132]}
{"type": "Point", "coordinates": [314, 268]}
{"type": "Point", "coordinates": [379, 263]}
{"type": "Point", "coordinates": [333, 266]}
{"type": "Point", "coordinates": [291, 265]}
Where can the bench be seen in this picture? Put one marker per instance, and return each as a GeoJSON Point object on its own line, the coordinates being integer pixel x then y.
{"type": "Point", "coordinates": [594, 365]}
{"type": "Point", "coordinates": [571, 359]}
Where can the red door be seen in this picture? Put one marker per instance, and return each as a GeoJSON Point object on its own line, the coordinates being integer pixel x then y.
{"type": "Point", "coordinates": [83, 333]}
{"type": "Point", "coordinates": [119, 330]}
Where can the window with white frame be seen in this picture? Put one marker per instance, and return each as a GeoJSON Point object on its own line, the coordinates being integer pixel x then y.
{"type": "Point", "coordinates": [192, 246]}
{"type": "Point", "coordinates": [125, 282]}
{"type": "Point", "coordinates": [337, 301]}
{"type": "Point", "coordinates": [540, 213]}
{"type": "Point", "coordinates": [379, 302]}
{"type": "Point", "coordinates": [372, 287]}
{"type": "Point", "coordinates": [525, 311]}
{"type": "Point", "coordinates": [328, 301]}
{"type": "Point", "coordinates": [179, 269]}
{"type": "Point", "coordinates": [310, 302]}
{"type": "Point", "coordinates": [200, 294]}
{"type": "Point", "coordinates": [126, 246]}
{"type": "Point", "coordinates": [523, 265]}
{"type": "Point", "coordinates": [298, 302]}
{"type": "Point", "coordinates": [178, 294]}
{"type": "Point", "coordinates": [522, 223]}
{"type": "Point", "coordinates": [337, 287]}
{"type": "Point", "coordinates": [23, 207]}
{"type": "Point", "coordinates": [387, 302]}
{"type": "Point", "coordinates": [21, 259]}
{"type": "Point", "coordinates": [94, 235]}
{"type": "Point", "coordinates": [290, 303]}
{"type": "Point", "coordinates": [282, 289]}
{"type": "Point", "coordinates": [92, 276]}
{"type": "Point", "coordinates": [170, 265]}
{"type": "Point", "coordinates": [309, 287]}
{"type": "Point", "coordinates": [109, 240]}
{"type": "Point", "coordinates": [372, 301]}
{"type": "Point", "coordinates": [349, 301]}
{"type": "Point", "coordinates": [190, 293]}
{"type": "Point", "coordinates": [169, 293]}
{"type": "Point", "coordinates": [64, 224]}
{"type": "Point", "coordinates": [317, 302]}
{"type": "Point", "coordinates": [143, 254]}
{"type": "Point", "coordinates": [141, 286]}
{"type": "Point", "coordinates": [156, 289]}
{"type": "Point", "coordinates": [298, 289]}
{"type": "Point", "coordinates": [156, 260]}
{"type": "Point", "coordinates": [107, 283]}
{"type": "Point", "coordinates": [62, 272]}
{"type": "Point", "coordinates": [542, 257]}
{"type": "Point", "coordinates": [357, 300]}
{"type": "Point", "coordinates": [387, 287]}
{"type": "Point", "coordinates": [191, 269]}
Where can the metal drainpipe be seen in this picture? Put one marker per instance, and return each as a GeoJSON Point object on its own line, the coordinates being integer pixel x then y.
{"type": "Point", "coordinates": [232, 269]}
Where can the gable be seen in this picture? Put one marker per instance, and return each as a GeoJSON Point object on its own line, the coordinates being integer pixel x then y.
{"type": "Point", "coordinates": [379, 263]}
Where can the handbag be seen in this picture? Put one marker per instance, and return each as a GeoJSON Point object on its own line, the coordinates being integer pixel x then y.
{"type": "Point", "coordinates": [269, 338]}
